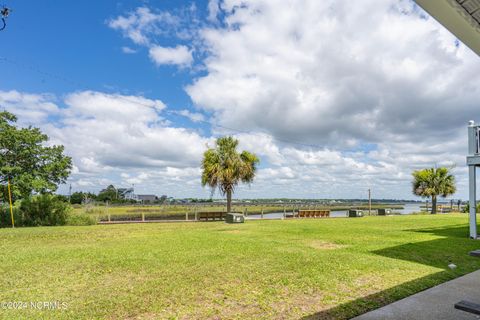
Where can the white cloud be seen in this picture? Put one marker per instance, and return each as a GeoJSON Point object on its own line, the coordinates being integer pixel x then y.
{"type": "Point", "coordinates": [30, 108]}
{"type": "Point", "coordinates": [113, 138]}
{"type": "Point", "coordinates": [128, 50]}
{"type": "Point", "coordinates": [262, 145]}
{"type": "Point", "coordinates": [113, 106]}
{"type": "Point", "coordinates": [193, 116]}
{"type": "Point", "coordinates": [320, 72]}
{"type": "Point", "coordinates": [122, 140]}
{"type": "Point", "coordinates": [376, 87]}
{"type": "Point", "coordinates": [141, 23]}
{"type": "Point", "coordinates": [379, 96]}
{"type": "Point", "coordinates": [125, 131]}
{"type": "Point", "coordinates": [179, 55]}
{"type": "Point", "coordinates": [213, 10]}
{"type": "Point", "coordinates": [144, 26]}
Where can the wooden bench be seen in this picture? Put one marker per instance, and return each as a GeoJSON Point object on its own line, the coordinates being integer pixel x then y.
{"type": "Point", "coordinates": [313, 213]}
{"type": "Point", "coordinates": [211, 215]}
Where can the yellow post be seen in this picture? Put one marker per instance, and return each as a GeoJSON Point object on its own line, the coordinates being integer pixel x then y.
{"type": "Point", "coordinates": [11, 207]}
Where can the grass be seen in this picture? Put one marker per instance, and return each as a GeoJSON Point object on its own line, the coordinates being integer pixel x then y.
{"type": "Point", "coordinates": [313, 268]}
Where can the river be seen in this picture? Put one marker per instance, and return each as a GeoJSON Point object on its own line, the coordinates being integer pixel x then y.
{"type": "Point", "coordinates": [408, 208]}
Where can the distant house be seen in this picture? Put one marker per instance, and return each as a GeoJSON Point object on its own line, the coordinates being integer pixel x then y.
{"type": "Point", "coordinates": [147, 198]}
{"type": "Point", "coordinates": [127, 194]}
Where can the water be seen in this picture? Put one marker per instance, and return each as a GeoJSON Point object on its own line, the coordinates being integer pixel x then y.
{"type": "Point", "coordinates": [279, 215]}
{"type": "Point", "coordinates": [273, 215]}
{"type": "Point", "coordinates": [408, 208]}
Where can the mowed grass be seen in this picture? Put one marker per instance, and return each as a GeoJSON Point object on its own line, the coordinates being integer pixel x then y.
{"type": "Point", "coordinates": [314, 268]}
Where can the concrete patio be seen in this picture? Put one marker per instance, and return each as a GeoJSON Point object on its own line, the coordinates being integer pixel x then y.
{"type": "Point", "coordinates": [434, 303]}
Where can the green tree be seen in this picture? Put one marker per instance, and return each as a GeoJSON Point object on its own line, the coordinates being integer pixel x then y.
{"type": "Point", "coordinates": [76, 198]}
{"type": "Point", "coordinates": [27, 162]}
{"type": "Point", "coordinates": [79, 197]}
{"type": "Point", "coordinates": [108, 194]}
{"type": "Point", "coordinates": [433, 182]}
{"type": "Point", "coordinates": [224, 168]}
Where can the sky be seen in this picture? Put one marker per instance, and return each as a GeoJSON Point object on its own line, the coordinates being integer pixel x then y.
{"type": "Point", "coordinates": [335, 97]}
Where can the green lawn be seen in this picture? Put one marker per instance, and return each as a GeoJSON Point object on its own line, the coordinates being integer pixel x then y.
{"type": "Point", "coordinates": [323, 268]}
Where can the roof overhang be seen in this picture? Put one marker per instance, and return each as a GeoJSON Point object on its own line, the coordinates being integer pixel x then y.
{"type": "Point", "coordinates": [460, 17]}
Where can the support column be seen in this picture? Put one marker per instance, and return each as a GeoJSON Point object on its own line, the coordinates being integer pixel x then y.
{"type": "Point", "coordinates": [472, 201]}
{"type": "Point", "coordinates": [473, 141]}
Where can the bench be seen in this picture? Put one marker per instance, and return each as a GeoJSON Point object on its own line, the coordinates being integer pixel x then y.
{"type": "Point", "coordinates": [313, 213]}
{"type": "Point", "coordinates": [383, 211]}
{"type": "Point", "coordinates": [353, 213]}
{"type": "Point", "coordinates": [211, 215]}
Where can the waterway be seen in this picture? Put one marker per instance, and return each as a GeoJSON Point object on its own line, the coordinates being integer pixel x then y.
{"type": "Point", "coordinates": [408, 208]}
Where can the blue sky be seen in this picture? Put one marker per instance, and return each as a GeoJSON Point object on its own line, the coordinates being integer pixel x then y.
{"type": "Point", "coordinates": [335, 97]}
{"type": "Point", "coordinates": [72, 40]}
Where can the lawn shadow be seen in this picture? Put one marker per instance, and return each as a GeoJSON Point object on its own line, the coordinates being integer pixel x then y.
{"type": "Point", "coordinates": [453, 247]}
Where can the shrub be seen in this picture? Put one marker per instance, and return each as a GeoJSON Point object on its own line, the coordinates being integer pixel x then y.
{"type": "Point", "coordinates": [44, 210]}
{"type": "Point", "coordinates": [6, 219]}
{"type": "Point", "coordinates": [466, 209]}
{"type": "Point", "coordinates": [80, 219]}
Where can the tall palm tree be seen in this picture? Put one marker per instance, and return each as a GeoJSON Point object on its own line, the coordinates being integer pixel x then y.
{"type": "Point", "coordinates": [224, 168]}
{"type": "Point", "coordinates": [433, 182]}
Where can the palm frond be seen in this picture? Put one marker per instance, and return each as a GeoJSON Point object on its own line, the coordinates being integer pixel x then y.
{"type": "Point", "coordinates": [223, 168]}
{"type": "Point", "coordinates": [433, 182]}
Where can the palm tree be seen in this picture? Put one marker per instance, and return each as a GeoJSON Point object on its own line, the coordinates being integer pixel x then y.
{"type": "Point", "coordinates": [224, 168]}
{"type": "Point", "coordinates": [433, 182]}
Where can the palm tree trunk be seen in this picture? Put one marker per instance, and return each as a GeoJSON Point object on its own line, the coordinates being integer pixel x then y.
{"type": "Point", "coordinates": [434, 204]}
{"type": "Point", "coordinates": [229, 201]}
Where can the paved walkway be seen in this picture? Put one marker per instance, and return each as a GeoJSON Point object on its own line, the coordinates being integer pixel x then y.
{"type": "Point", "coordinates": [434, 303]}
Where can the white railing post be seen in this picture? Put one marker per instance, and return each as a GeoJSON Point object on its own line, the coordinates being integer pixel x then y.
{"type": "Point", "coordinates": [473, 149]}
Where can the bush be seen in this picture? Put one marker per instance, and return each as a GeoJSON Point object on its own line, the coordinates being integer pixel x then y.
{"type": "Point", "coordinates": [466, 209]}
{"type": "Point", "coordinates": [44, 210]}
{"type": "Point", "coordinates": [5, 218]}
{"type": "Point", "coordinates": [80, 219]}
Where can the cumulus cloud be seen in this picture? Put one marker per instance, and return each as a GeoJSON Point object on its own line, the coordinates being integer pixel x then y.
{"type": "Point", "coordinates": [140, 24]}
{"type": "Point", "coordinates": [213, 10]}
{"type": "Point", "coordinates": [377, 89]}
{"type": "Point", "coordinates": [179, 55]}
{"type": "Point", "coordinates": [113, 106]}
{"type": "Point", "coordinates": [193, 116]}
{"type": "Point", "coordinates": [113, 138]}
{"type": "Point", "coordinates": [320, 72]}
{"type": "Point", "coordinates": [30, 108]}
{"type": "Point", "coordinates": [379, 96]}
{"type": "Point", "coordinates": [263, 145]}
{"type": "Point", "coordinates": [126, 131]}
{"type": "Point", "coordinates": [128, 50]}
{"type": "Point", "coordinates": [123, 140]}
{"type": "Point", "coordinates": [145, 26]}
